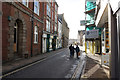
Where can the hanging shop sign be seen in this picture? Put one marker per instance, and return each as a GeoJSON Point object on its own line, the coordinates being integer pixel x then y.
{"type": "Point", "coordinates": [92, 34]}
{"type": "Point", "coordinates": [83, 22]}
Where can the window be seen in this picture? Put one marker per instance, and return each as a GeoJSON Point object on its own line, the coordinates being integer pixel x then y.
{"type": "Point", "coordinates": [25, 2]}
{"type": "Point", "coordinates": [55, 27]}
{"type": "Point", "coordinates": [56, 8]}
{"type": "Point", "coordinates": [48, 10]}
{"type": "Point", "coordinates": [36, 7]}
{"type": "Point", "coordinates": [35, 34]}
{"type": "Point", "coordinates": [52, 28]}
{"type": "Point", "coordinates": [56, 13]}
{"type": "Point", "coordinates": [56, 17]}
{"type": "Point", "coordinates": [47, 26]}
{"type": "Point", "coordinates": [52, 3]}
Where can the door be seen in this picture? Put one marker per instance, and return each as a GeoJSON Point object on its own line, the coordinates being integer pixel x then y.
{"type": "Point", "coordinates": [15, 38]}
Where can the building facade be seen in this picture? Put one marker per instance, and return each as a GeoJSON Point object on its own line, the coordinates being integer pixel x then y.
{"type": "Point", "coordinates": [65, 31]}
{"type": "Point", "coordinates": [93, 43]}
{"type": "Point", "coordinates": [59, 33]}
{"type": "Point", "coordinates": [22, 24]}
{"type": "Point", "coordinates": [50, 29]}
{"type": "Point", "coordinates": [107, 17]}
{"type": "Point", "coordinates": [80, 36]}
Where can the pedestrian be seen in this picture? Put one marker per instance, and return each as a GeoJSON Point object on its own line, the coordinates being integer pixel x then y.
{"type": "Point", "coordinates": [71, 50]}
{"type": "Point", "coordinates": [77, 51]}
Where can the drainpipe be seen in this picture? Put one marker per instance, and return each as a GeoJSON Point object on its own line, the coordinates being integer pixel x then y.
{"type": "Point", "coordinates": [42, 30]}
{"type": "Point", "coordinates": [32, 30]}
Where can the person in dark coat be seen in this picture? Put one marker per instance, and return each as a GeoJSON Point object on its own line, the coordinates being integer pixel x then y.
{"type": "Point", "coordinates": [77, 51]}
{"type": "Point", "coordinates": [71, 50]}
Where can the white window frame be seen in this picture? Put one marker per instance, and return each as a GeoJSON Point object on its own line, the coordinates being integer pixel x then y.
{"type": "Point", "coordinates": [56, 7]}
{"type": "Point", "coordinates": [47, 25]}
{"type": "Point", "coordinates": [25, 3]}
{"type": "Point", "coordinates": [52, 28]}
{"type": "Point", "coordinates": [48, 10]}
{"type": "Point", "coordinates": [36, 34]}
{"type": "Point", "coordinates": [55, 27]}
{"type": "Point", "coordinates": [37, 7]}
{"type": "Point", "coordinates": [56, 17]}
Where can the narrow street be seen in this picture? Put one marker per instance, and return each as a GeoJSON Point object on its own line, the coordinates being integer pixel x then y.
{"type": "Point", "coordinates": [59, 39]}
{"type": "Point", "coordinates": [57, 65]}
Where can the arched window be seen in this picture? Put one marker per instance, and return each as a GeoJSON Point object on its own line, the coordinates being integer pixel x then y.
{"type": "Point", "coordinates": [35, 34]}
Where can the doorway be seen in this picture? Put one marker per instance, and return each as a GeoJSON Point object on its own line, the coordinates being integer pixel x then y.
{"type": "Point", "coordinates": [18, 38]}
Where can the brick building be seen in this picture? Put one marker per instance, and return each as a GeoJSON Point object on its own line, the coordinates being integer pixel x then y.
{"type": "Point", "coordinates": [22, 24]}
{"type": "Point", "coordinates": [50, 29]}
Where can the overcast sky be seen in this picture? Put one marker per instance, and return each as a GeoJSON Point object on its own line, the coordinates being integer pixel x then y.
{"type": "Point", "coordinates": [73, 12]}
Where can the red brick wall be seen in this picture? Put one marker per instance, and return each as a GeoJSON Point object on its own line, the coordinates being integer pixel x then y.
{"type": "Point", "coordinates": [9, 10]}
{"type": "Point", "coordinates": [5, 29]}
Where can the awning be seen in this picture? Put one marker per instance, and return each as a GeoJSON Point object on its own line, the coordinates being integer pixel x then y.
{"type": "Point", "coordinates": [102, 16]}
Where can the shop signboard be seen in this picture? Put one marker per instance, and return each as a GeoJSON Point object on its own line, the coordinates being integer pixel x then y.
{"type": "Point", "coordinates": [105, 48]}
{"type": "Point", "coordinates": [92, 34]}
{"type": "Point", "coordinates": [105, 59]}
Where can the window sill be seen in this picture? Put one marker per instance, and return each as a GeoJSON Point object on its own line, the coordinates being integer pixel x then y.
{"type": "Point", "coordinates": [35, 42]}
{"type": "Point", "coordinates": [36, 14]}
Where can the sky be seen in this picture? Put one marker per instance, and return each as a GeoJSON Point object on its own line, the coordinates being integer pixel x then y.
{"type": "Point", "coordinates": [73, 12]}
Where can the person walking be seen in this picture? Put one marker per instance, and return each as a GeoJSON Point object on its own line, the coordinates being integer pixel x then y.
{"type": "Point", "coordinates": [71, 50]}
{"type": "Point", "coordinates": [77, 51]}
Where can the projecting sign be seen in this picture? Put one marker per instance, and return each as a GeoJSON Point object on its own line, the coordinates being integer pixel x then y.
{"type": "Point", "coordinates": [83, 22]}
{"type": "Point", "coordinates": [92, 34]}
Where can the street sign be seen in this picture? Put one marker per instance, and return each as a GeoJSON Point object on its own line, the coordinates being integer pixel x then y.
{"type": "Point", "coordinates": [92, 34]}
{"type": "Point", "coordinates": [83, 22]}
